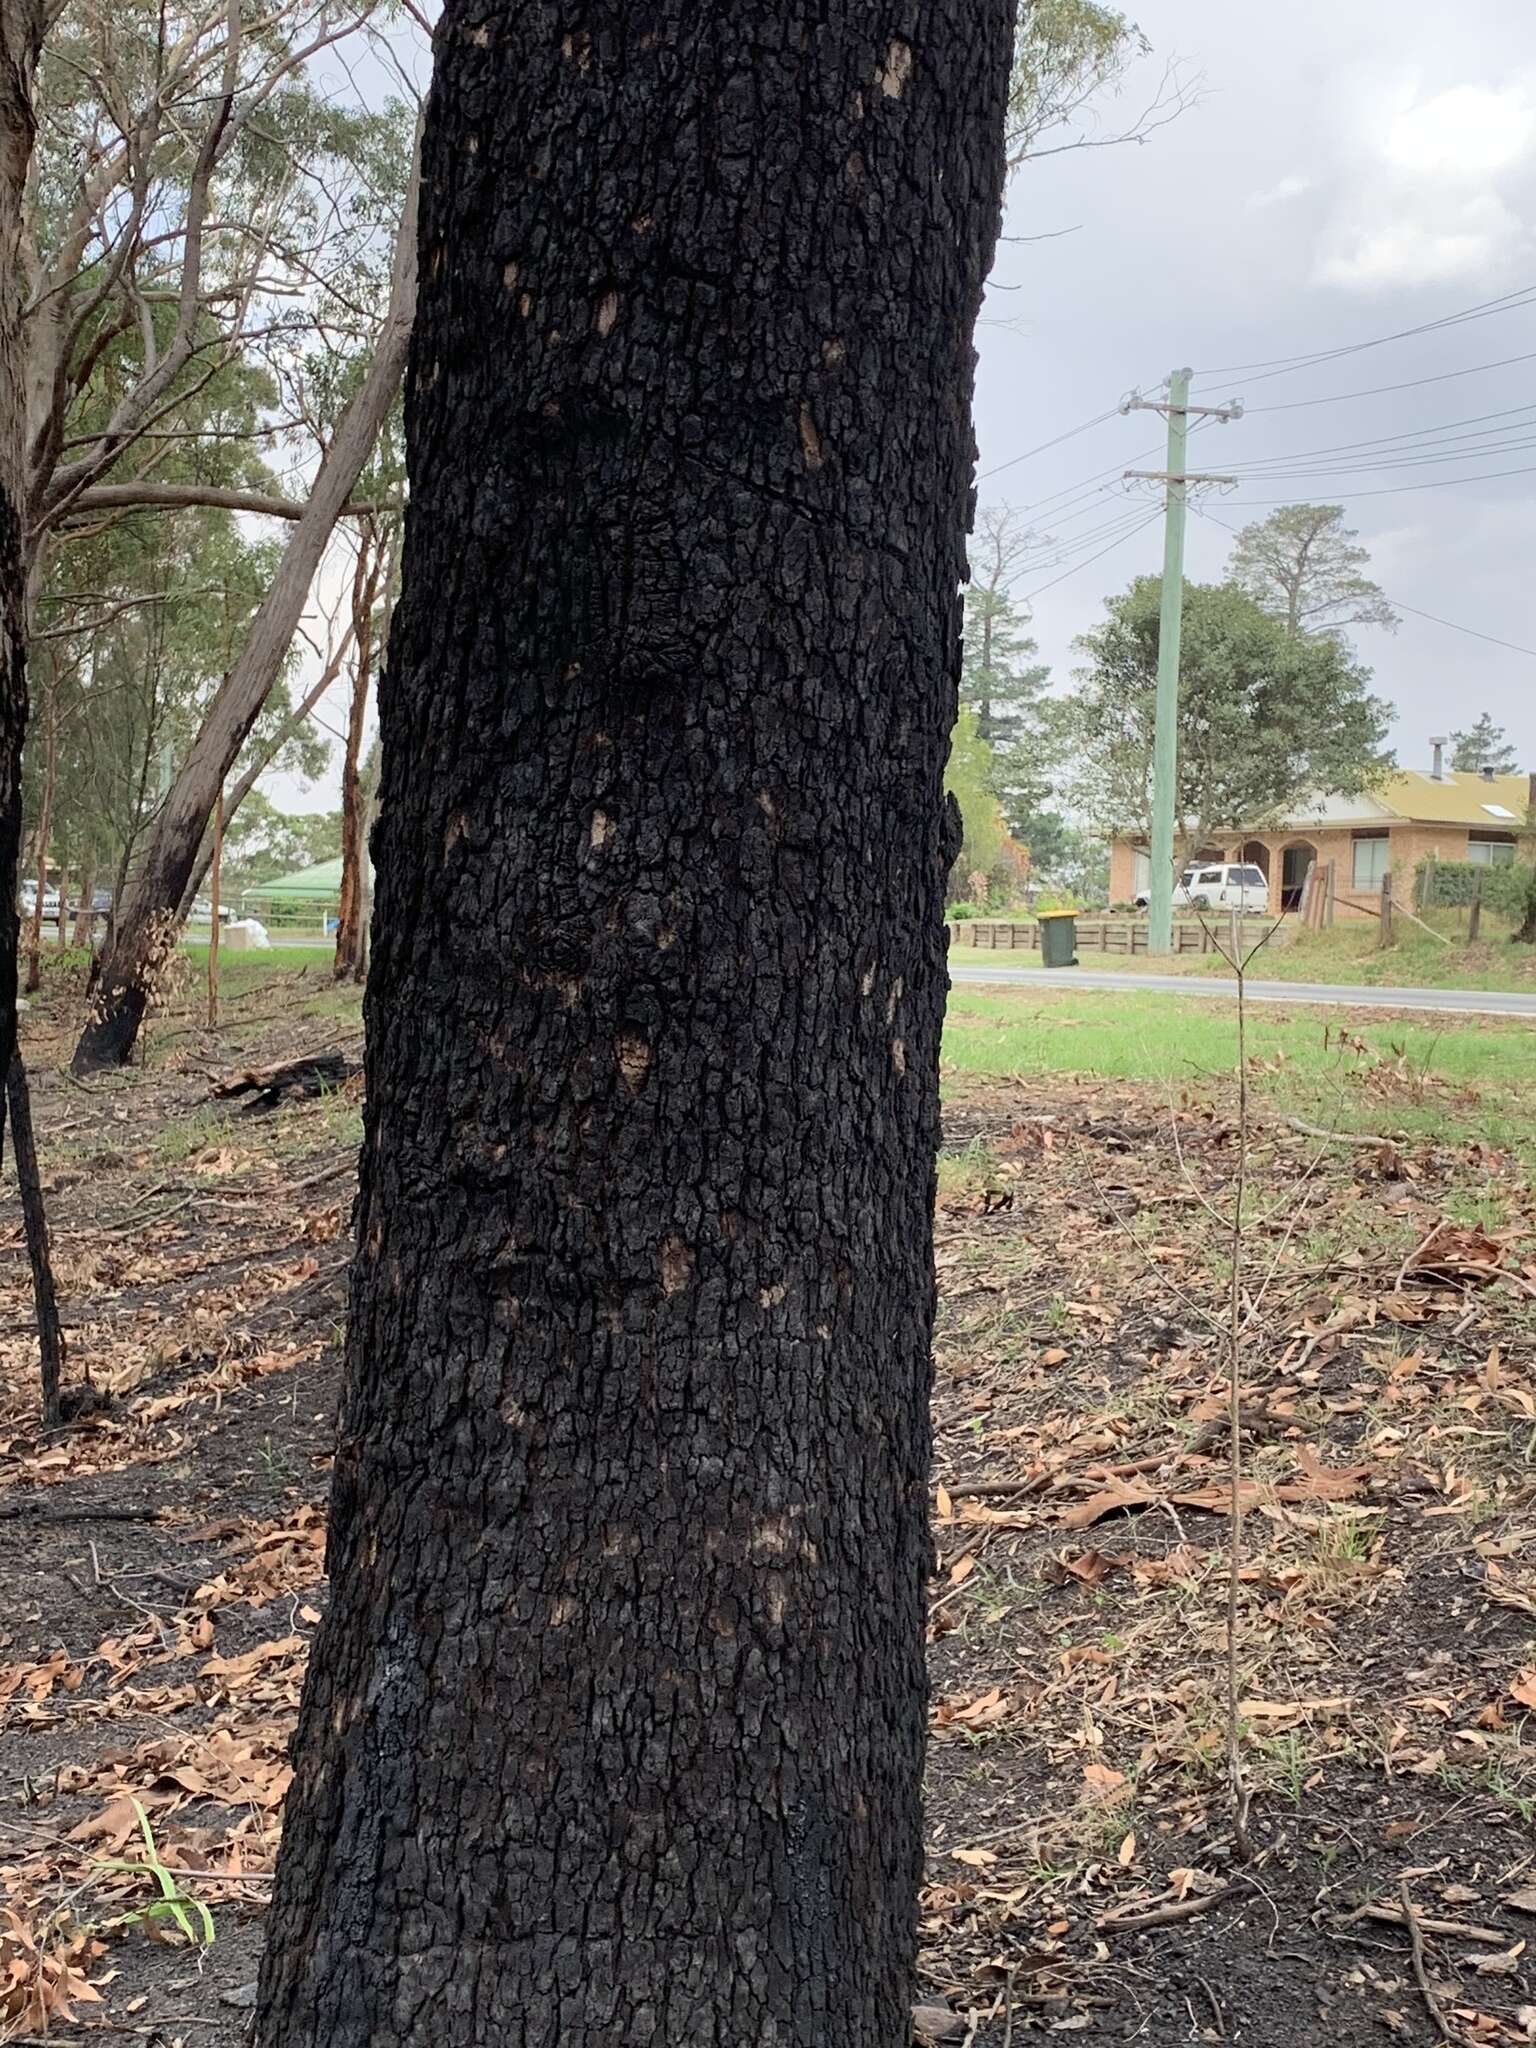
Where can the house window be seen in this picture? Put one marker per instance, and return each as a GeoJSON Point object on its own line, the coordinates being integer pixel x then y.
{"type": "Point", "coordinates": [1490, 850]}
{"type": "Point", "coordinates": [1371, 859]}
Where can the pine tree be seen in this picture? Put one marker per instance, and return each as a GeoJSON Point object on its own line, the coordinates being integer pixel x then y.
{"type": "Point", "coordinates": [1001, 681]}
{"type": "Point", "coordinates": [1305, 566]}
{"type": "Point", "coordinates": [1484, 745]}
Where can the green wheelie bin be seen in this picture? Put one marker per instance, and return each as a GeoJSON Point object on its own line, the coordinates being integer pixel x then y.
{"type": "Point", "coordinates": [1058, 938]}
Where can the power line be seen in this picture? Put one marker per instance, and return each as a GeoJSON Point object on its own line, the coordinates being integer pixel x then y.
{"type": "Point", "coordinates": [1284, 366]}
{"type": "Point", "coordinates": [1393, 490]}
{"type": "Point", "coordinates": [1394, 460]}
{"type": "Point", "coordinates": [1492, 638]}
{"type": "Point", "coordinates": [1122, 523]}
{"type": "Point", "coordinates": [1040, 589]}
{"type": "Point", "coordinates": [1097, 421]}
{"type": "Point", "coordinates": [1377, 390]}
{"type": "Point", "coordinates": [1428, 435]}
{"type": "Point", "coordinates": [1083, 486]}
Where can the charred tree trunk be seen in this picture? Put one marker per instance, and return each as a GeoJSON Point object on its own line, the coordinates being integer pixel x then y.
{"type": "Point", "coordinates": [85, 915]}
{"type": "Point", "coordinates": [44, 833]}
{"type": "Point", "coordinates": [145, 928]}
{"type": "Point", "coordinates": [50, 1333]}
{"type": "Point", "coordinates": [614, 1731]}
{"type": "Point", "coordinates": [21, 40]}
{"type": "Point", "coordinates": [349, 920]}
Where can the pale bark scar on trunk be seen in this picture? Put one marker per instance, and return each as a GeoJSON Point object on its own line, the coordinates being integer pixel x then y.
{"type": "Point", "coordinates": [677, 1261]}
{"type": "Point", "coordinates": [897, 69]}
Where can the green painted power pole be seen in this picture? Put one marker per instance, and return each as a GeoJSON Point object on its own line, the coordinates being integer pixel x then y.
{"type": "Point", "coordinates": [1165, 756]}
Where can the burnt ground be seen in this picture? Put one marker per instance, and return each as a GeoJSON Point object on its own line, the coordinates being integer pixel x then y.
{"type": "Point", "coordinates": [161, 1559]}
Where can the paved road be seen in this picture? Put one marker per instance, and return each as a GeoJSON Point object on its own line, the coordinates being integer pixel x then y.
{"type": "Point", "coordinates": [1473, 1002]}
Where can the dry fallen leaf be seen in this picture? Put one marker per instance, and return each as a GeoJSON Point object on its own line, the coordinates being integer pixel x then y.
{"type": "Point", "coordinates": [1100, 1780]}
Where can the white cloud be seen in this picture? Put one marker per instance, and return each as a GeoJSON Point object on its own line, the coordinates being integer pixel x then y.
{"type": "Point", "coordinates": [1467, 130]}
{"type": "Point", "coordinates": [1290, 187]}
{"type": "Point", "coordinates": [1394, 238]}
{"type": "Point", "coordinates": [1439, 193]}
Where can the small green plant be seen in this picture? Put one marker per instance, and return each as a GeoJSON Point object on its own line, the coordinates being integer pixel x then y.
{"type": "Point", "coordinates": [1288, 1762]}
{"type": "Point", "coordinates": [277, 1463]}
{"type": "Point", "coordinates": [178, 1142]}
{"type": "Point", "coordinates": [190, 1916]}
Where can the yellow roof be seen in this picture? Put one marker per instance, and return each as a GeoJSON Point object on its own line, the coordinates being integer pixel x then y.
{"type": "Point", "coordinates": [1458, 798]}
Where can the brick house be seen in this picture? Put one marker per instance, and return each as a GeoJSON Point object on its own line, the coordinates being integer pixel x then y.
{"type": "Point", "coordinates": [1452, 814]}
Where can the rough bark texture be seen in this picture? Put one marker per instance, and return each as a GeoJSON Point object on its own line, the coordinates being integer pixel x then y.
{"type": "Point", "coordinates": [40, 862]}
{"type": "Point", "coordinates": [50, 1332]}
{"type": "Point", "coordinates": [614, 1731]}
{"type": "Point", "coordinates": [21, 37]}
{"type": "Point", "coordinates": [85, 916]}
{"type": "Point", "coordinates": [348, 963]}
{"type": "Point", "coordinates": [145, 927]}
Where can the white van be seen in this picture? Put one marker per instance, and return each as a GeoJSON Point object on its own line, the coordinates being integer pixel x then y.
{"type": "Point", "coordinates": [1216, 885]}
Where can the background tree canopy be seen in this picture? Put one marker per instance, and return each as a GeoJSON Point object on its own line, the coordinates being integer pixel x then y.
{"type": "Point", "coordinates": [1304, 565]}
{"type": "Point", "coordinates": [1266, 717]}
{"type": "Point", "coordinates": [1484, 745]}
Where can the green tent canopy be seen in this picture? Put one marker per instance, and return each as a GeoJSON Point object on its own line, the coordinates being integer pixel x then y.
{"type": "Point", "coordinates": [320, 884]}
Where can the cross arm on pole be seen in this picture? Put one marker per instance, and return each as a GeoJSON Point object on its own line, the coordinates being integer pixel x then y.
{"type": "Point", "coordinates": [1232, 410]}
{"type": "Point", "coordinates": [1165, 476]}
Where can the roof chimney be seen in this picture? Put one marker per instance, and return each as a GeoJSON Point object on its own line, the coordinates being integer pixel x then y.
{"type": "Point", "coordinates": [1486, 771]}
{"type": "Point", "coordinates": [1438, 772]}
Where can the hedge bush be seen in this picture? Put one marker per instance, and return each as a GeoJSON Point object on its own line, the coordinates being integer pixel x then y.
{"type": "Point", "coordinates": [1451, 884]}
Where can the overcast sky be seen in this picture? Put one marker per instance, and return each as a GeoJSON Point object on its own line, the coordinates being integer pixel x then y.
{"type": "Point", "coordinates": [1352, 168]}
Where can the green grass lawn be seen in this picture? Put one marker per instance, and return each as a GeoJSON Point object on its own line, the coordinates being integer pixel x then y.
{"type": "Point", "coordinates": [1473, 1076]}
{"type": "Point", "coordinates": [1347, 953]}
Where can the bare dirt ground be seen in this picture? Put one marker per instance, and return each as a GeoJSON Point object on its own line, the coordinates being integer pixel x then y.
{"type": "Point", "coordinates": [161, 1560]}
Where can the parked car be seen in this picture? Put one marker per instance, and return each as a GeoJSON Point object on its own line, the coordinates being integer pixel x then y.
{"type": "Point", "coordinates": [29, 901]}
{"type": "Point", "coordinates": [1217, 885]}
{"type": "Point", "coordinates": [101, 905]}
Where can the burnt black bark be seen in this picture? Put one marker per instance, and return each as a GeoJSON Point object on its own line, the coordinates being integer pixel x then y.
{"type": "Point", "coordinates": [614, 1731]}
{"type": "Point", "coordinates": [50, 1332]}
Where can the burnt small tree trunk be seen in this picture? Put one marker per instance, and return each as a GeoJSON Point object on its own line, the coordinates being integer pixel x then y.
{"type": "Point", "coordinates": [34, 1215]}
{"type": "Point", "coordinates": [21, 41]}
{"type": "Point", "coordinates": [85, 915]}
{"type": "Point", "coordinates": [349, 919]}
{"type": "Point", "coordinates": [145, 927]}
{"type": "Point", "coordinates": [613, 1734]}
{"type": "Point", "coordinates": [40, 851]}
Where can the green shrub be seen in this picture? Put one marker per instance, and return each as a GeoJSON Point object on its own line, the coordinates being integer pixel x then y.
{"type": "Point", "coordinates": [957, 913]}
{"type": "Point", "coordinates": [1451, 884]}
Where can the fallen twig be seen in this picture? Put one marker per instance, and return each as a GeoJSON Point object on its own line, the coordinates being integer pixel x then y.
{"type": "Point", "coordinates": [1163, 1916]}
{"type": "Point", "coordinates": [31, 1514]}
{"type": "Point", "coordinates": [1420, 1971]}
{"type": "Point", "coordinates": [1307, 1130]}
{"type": "Point", "coordinates": [1461, 1930]}
{"type": "Point", "coordinates": [1412, 1258]}
{"type": "Point", "coordinates": [996, 1489]}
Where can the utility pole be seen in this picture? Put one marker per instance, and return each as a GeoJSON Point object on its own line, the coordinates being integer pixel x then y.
{"type": "Point", "coordinates": [1165, 758]}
